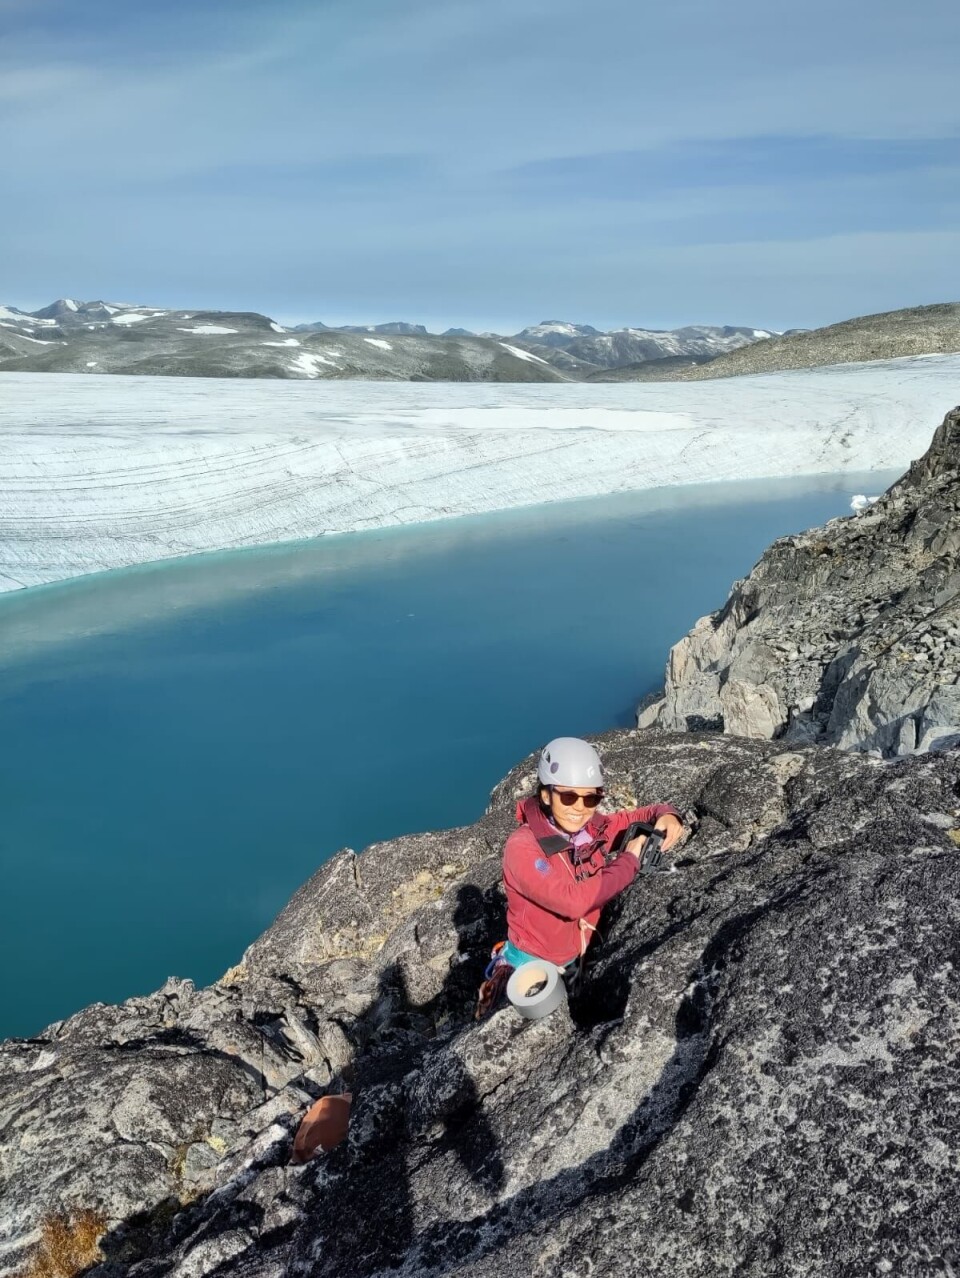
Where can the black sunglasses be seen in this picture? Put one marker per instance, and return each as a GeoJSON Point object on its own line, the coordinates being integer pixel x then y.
{"type": "Point", "coordinates": [569, 799]}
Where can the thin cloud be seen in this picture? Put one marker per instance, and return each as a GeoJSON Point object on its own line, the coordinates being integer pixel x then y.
{"type": "Point", "coordinates": [735, 162]}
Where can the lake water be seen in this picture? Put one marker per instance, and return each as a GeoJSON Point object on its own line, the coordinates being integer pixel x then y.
{"type": "Point", "coordinates": [181, 745]}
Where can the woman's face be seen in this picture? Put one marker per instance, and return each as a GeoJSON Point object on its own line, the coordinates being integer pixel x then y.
{"type": "Point", "coordinates": [569, 816]}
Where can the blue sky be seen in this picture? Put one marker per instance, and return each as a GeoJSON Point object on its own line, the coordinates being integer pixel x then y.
{"type": "Point", "coordinates": [485, 163]}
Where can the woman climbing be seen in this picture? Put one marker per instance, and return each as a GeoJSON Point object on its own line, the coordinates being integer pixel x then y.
{"type": "Point", "coordinates": [562, 864]}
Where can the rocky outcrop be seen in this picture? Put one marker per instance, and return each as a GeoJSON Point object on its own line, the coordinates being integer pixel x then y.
{"type": "Point", "coordinates": [847, 634]}
{"type": "Point", "coordinates": [760, 1078]}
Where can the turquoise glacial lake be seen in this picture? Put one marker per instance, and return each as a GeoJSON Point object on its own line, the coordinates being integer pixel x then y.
{"type": "Point", "coordinates": [182, 744]}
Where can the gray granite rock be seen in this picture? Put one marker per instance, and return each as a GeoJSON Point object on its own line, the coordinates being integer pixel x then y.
{"type": "Point", "coordinates": [759, 1079]}
{"type": "Point", "coordinates": [847, 634]}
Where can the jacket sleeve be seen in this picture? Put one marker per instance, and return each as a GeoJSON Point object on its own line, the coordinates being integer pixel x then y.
{"type": "Point", "coordinates": [549, 883]}
{"type": "Point", "coordinates": [652, 813]}
{"type": "Point", "coordinates": [649, 815]}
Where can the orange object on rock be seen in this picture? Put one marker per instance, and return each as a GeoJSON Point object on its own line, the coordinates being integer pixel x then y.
{"type": "Point", "coordinates": [324, 1126]}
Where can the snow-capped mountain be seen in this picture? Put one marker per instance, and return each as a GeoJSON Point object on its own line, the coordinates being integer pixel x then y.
{"type": "Point", "coordinates": [636, 345]}
{"type": "Point", "coordinates": [584, 345]}
{"type": "Point", "coordinates": [555, 333]}
{"type": "Point", "coordinates": [104, 337]}
{"type": "Point", "coordinates": [23, 321]}
{"type": "Point", "coordinates": [396, 328]}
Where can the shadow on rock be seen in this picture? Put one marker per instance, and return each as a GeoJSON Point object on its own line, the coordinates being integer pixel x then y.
{"type": "Point", "coordinates": [607, 1173]}
{"type": "Point", "coordinates": [411, 1087]}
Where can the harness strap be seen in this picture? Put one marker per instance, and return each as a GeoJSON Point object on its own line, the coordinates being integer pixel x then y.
{"type": "Point", "coordinates": [495, 957]}
{"type": "Point", "coordinates": [493, 989]}
{"type": "Point", "coordinates": [584, 927]}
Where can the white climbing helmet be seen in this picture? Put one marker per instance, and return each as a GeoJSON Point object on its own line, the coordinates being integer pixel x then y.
{"type": "Point", "coordinates": [570, 761]}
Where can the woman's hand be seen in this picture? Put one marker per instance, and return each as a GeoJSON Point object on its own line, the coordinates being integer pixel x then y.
{"type": "Point", "coordinates": [635, 846]}
{"type": "Point", "coordinates": [672, 828]}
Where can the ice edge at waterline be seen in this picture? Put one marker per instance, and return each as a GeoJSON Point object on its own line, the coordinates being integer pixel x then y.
{"type": "Point", "coordinates": [99, 473]}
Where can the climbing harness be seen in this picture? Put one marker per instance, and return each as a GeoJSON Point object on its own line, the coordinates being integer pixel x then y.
{"type": "Point", "coordinates": [495, 977]}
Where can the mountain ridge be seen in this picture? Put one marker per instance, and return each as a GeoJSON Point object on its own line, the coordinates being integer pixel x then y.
{"type": "Point", "coordinates": [84, 337]}
{"type": "Point", "coordinates": [115, 337]}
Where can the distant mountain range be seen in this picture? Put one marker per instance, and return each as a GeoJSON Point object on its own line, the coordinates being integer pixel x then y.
{"type": "Point", "coordinates": [69, 336]}
{"type": "Point", "coordinates": [584, 344]}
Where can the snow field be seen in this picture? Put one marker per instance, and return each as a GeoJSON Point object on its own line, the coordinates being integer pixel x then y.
{"type": "Point", "coordinates": [98, 472]}
{"type": "Point", "coordinates": [206, 330]}
{"type": "Point", "coordinates": [522, 354]}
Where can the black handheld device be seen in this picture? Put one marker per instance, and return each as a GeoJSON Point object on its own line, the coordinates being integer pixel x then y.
{"type": "Point", "coordinates": [651, 861]}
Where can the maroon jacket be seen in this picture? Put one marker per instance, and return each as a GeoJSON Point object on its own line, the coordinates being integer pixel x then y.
{"type": "Point", "coordinates": [547, 895]}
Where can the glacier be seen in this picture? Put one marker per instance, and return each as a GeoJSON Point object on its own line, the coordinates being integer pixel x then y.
{"type": "Point", "coordinates": [101, 472]}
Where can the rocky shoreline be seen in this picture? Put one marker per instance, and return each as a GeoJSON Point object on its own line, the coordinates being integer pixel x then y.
{"type": "Point", "coordinates": [847, 634]}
